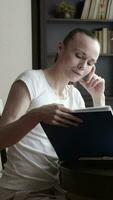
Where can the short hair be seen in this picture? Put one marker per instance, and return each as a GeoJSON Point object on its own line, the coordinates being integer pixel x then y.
{"type": "Point", "coordinates": [73, 32]}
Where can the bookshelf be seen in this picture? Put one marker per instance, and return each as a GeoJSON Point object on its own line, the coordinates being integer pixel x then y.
{"type": "Point", "coordinates": [53, 30]}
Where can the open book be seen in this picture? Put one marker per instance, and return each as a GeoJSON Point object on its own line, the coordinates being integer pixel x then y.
{"type": "Point", "coordinates": [92, 138]}
{"type": "Point", "coordinates": [94, 109]}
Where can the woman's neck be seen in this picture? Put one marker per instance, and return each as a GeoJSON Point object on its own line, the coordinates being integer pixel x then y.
{"type": "Point", "coordinates": [55, 79]}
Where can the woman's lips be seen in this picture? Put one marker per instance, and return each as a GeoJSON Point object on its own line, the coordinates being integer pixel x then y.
{"type": "Point", "coordinates": [78, 74]}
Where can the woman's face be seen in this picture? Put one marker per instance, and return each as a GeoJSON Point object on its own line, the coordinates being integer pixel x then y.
{"type": "Point", "coordinates": [79, 56]}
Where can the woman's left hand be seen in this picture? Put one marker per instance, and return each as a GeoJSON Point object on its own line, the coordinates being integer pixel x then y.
{"type": "Point", "coordinates": [95, 85]}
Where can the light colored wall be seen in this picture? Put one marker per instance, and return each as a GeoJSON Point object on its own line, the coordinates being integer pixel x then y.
{"type": "Point", "coordinates": [15, 41]}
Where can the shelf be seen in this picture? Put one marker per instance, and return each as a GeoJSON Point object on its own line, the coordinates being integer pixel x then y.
{"type": "Point", "coordinates": [106, 55]}
{"type": "Point", "coordinates": [50, 20]}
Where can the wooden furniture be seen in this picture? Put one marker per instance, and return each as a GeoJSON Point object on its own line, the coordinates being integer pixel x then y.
{"type": "Point", "coordinates": [89, 182]}
{"type": "Point", "coordinates": [3, 156]}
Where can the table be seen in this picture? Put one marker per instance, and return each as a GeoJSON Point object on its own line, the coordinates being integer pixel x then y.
{"type": "Point", "coordinates": [92, 183]}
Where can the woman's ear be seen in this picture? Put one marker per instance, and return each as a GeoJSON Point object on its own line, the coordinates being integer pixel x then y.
{"type": "Point", "coordinates": [60, 47]}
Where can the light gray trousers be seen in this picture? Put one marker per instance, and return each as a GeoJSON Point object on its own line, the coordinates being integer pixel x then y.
{"type": "Point", "coordinates": [6, 194]}
{"type": "Point", "coordinates": [45, 195]}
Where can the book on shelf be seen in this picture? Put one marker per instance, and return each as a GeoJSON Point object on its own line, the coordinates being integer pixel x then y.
{"type": "Point", "coordinates": [97, 34]}
{"type": "Point", "coordinates": [104, 40]}
{"type": "Point", "coordinates": [91, 11]}
{"type": "Point", "coordinates": [92, 138]}
{"type": "Point", "coordinates": [108, 9]}
{"type": "Point", "coordinates": [100, 38]}
{"type": "Point", "coordinates": [96, 10]}
{"type": "Point", "coordinates": [110, 16]}
{"type": "Point", "coordinates": [110, 41]}
{"type": "Point", "coordinates": [86, 9]}
{"type": "Point", "coordinates": [103, 9]}
{"type": "Point", "coordinates": [103, 35]}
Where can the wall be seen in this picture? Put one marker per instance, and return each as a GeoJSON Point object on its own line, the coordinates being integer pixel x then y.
{"type": "Point", "coordinates": [15, 41]}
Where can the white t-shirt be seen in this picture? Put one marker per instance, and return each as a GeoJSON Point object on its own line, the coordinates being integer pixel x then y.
{"type": "Point", "coordinates": [32, 162]}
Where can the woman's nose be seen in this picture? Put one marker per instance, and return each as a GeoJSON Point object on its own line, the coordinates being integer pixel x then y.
{"type": "Point", "coordinates": [82, 65]}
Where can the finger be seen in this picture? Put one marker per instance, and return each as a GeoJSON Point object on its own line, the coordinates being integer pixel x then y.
{"type": "Point", "coordinates": [56, 123]}
{"type": "Point", "coordinates": [64, 109]}
{"type": "Point", "coordinates": [93, 78]}
{"type": "Point", "coordinates": [93, 69]}
{"type": "Point", "coordinates": [88, 77]}
{"type": "Point", "coordinates": [91, 74]}
{"type": "Point", "coordinates": [95, 83]}
{"type": "Point", "coordinates": [64, 121]}
{"type": "Point", "coordinates": [90, 83]}
{"type": "Point", "coordinates": [68, 116]}
{"type": "Point", "coordinates": [60, 107]}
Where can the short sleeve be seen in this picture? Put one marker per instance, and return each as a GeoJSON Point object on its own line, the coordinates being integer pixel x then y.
{"type": "Point", "coordinates": [31, 80]}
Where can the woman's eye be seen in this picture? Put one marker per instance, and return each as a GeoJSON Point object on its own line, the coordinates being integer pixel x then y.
{"type": "Point", "coordinates": [90, 64]}
{"type": "Point", "coordinates": [78, 55]}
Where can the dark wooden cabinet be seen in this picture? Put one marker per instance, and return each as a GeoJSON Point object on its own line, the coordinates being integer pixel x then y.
{"type": "Point", "coordinates": [50, 30]}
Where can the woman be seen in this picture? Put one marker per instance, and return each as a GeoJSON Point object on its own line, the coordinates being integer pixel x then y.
{"type": "Point", "coordinates": [31, 171]}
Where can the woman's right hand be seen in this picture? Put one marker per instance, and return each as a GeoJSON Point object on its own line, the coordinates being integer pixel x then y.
{"type": "Point", "coordinates": [57, 114]}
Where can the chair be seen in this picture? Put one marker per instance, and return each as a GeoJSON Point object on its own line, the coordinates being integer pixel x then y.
{"type": "Point", "coordinates": [2, 151]}
{"type": "Point", "coordinates": [3, 157]}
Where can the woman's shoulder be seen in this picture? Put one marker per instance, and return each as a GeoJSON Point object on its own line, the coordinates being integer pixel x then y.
{"type": "Point", "coordinates": [31, 74]}
{"type": "Point", "coordinates": [33, 79]}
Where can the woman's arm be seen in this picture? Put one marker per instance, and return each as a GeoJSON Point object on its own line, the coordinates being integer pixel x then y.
{"type": "Point", "coordinates": [95, 85]}
{"type": "Point", "coordinates": [16, 122]}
